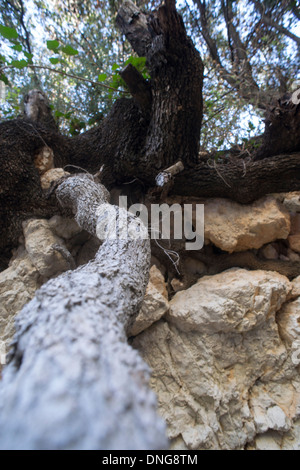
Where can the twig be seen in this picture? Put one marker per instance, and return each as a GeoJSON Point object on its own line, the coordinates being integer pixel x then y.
{"type": "Point", "coordinates": [65, 74]}
{"type": "Point", "coordinates": [219, 174]}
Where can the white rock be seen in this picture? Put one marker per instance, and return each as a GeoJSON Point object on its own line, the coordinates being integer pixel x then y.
{"type": "Point", "coordinates": [272, 440]}
{"type": "Point", "coordinates": [268, 441]}
{"type": "Point", "coordinates": [292, 201]}
{"type": "Point", "coordinates": [52, 175]}
{"type": "Point", "coordinates": [45, 248]}
{"type": "Point", "coordinates": [289, 327]}
{"type": "Point", "coordinates": [158, 281]}
{"type": "Point", "coordinates": [154, 306]}
{"type": "Point", "coordinates": [237, 227]}
{"type": "Point", "coordinates": [222, 372]}
{"type": "Point", "coordinates": [158, 264]}
{"type": "Point", "coordinates": [235, 300]}
{"type": "Point", "coordinates": [18, 284]}
{"type": "Point", "coordinates": [277, 419]}
{"type": "Point", "coordinates": [295, 288]}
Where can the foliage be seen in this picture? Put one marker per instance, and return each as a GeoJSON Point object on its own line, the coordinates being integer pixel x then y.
{"type": "Point", "coordinates": [247, 63]}
{"type": "Point", "coordinates": [82, 52]}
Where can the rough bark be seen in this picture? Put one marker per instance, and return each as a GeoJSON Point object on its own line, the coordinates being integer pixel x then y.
{"type": "Point", "coordinates": [143, 136]}
{"type": "Point", "coordinates": [139, 88]}
{"type": "Point", "coordinates": [240, 180]}
{"type": "Point", "coordinates": [37, 109]}
{"type": "Point", "coordinates": [176, 71]}
{"type": "Point", "coordinates": [73, 382]}
{"type": "Point", "coordinates": [282, 128]}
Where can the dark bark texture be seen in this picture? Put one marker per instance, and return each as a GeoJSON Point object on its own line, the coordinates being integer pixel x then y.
{"type": "Point", "coordinates": [143, 136]}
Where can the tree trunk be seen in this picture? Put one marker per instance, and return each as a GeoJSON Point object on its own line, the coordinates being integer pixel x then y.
{"type": "Point", "coordinates": [147, 134]}
{"type": "Point", "coordinates": [73, 382]}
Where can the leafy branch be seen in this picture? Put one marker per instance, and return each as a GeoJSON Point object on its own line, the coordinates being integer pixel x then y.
{"type": "Point", "coordinates": [20, 64]}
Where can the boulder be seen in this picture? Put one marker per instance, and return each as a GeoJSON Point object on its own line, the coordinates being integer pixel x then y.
{"type": "Point", "coordinates": [223, 371]}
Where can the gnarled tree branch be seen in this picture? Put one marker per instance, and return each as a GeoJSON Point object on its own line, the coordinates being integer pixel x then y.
{"type": "Point", "coordinates": [73, 382]}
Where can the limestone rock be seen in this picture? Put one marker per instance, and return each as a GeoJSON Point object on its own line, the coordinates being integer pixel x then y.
{"type": "Point", "coordinates": [237, 227]}
{"type": "Point", "coordinates": [295, 288]}
{"type": "Point", "coordinates": [52, 175]}
{"type": "Point", "coordinates": [158, 281]}
{"type": "Point", "coordinates": [44, 160]}
{"type": "Point", "coordinates": [235, 300]}
{"type": "Point", "coordinates": [294, 242]}
{"type": "Point", "coordinates": [46, 251]}
{"type": "Point", "coordinates": [292, 201]}
{"type": "Point", "coordinates": [289, 327]}
{"type": "Point", "coordinates": [269, 252]}
{"type": "Point", "coordinates": [272, 440]}
{"type": "Point", "coordinates": [18, 284]}
{"type": "Point", "coordinates": [158, 264]}
{"type": "Point", "coordinates": [45, 256]}
{"type": "Point", "coordinates": [64, 227]}
{"type": "Point", "coordinates": [153, 308]}
{"type": "Point", "coordinates": [294, 238]}
{"type": "Point", "coordinates": [222, 369]}
{"type": "Point", "coordinates": [295, 224]}
{"type": "Point", "coordinates": [177, 285]}
{"type": "Point", "coordinates": [292, 256]}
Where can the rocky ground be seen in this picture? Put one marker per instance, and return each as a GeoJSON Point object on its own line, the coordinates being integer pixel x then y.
{"type": "Point", "coordinates": [224, 353]}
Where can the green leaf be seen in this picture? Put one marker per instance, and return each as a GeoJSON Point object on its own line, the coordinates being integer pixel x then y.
{"type": "Point", "coordinates": [17, 47]}
{"type": "Point", "coordinates": [102, 77]}
{"type": "Point", "coordinates": [69, 114]}
{"type": "Point", "coordinates": [58, 114]}
{"type": "Point", "coordinates": [29, 56]}
{"type": "Point", "coordinates": [69, 50]}
{"type": "Point", "coordinates": [4, 79]}
{"type": "Point", "coordinates": [19, 64]}
{"type": "Point", "coordinates": [115, 67]}
{"type": "Point", "coordinates": [52, 45]}
{"type": "Point", "coordinates": [138, 62]}
{"type": "Point", "coordinates": [8, 33]}
{"type": "Point", "coordinates": [54, 60]}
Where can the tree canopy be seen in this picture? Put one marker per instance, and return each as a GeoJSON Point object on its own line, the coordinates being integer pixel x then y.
{"type": "Point", "coordinates": [73, 51]}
